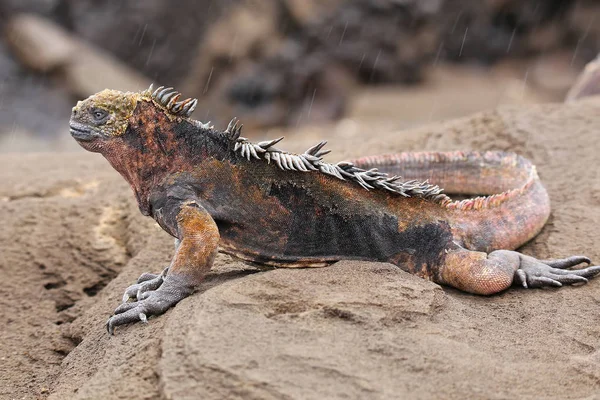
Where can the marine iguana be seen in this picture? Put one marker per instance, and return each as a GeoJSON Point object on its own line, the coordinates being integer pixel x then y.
{"type": "Point", "coordinates": [213, 189]}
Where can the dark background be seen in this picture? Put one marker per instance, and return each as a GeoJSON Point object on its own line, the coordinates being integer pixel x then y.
{"type": "Point", "coordinates": [282, 63]}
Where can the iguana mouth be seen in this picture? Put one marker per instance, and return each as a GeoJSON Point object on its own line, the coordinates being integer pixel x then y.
{"type": "Point", "coordinates": [82, 132]}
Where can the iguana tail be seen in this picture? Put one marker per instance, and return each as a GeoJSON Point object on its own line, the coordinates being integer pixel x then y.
{"type": "Point", "coordinates": [512, 204]}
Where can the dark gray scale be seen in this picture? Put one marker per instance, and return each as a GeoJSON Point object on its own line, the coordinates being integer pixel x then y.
{"type": "Point", "coordinates": [319, 232]}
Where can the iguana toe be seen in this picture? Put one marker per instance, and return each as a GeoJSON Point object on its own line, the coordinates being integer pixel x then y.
{"type": "Point", "coordinates": [146, 276]}
{"type": "Point", "coordinates": [534, 273]}
{"type": "Point", "coordinates": [569, 278]}
{"type": "Point", "coordinates": [541, 281]}
{"type": "Point", "coordinates": [146, 282]}
{"type": "Point", "coordinates": [140, 310]}
{"type": "Point", "coordinates": [521, 277]}
{"type": "Point", "coordinates": [125, 307]}
{"type": "Point", "coordinates": [567, 262]}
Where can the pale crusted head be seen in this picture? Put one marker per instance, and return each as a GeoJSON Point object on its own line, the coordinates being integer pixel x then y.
{"type": "Point", "coordinates": [106, 114]}
{"type": "Point", "coordinates": [102, 116]}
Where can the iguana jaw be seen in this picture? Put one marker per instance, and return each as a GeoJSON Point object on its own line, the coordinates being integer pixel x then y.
{"type": "Point", "coordinates": [82, 133]}
{"type": "Point", "coordinates": [86, 137]}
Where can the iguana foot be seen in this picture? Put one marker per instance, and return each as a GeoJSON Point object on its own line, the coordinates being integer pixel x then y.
{"type": "Point", "coordinates": [533, 273]}
{"type": "Point", "coordinates": [146, 282]}
{"type": "Point", "coordinates": [170, 290]}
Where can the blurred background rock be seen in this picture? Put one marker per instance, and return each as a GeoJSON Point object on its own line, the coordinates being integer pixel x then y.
{"type": "Point", "coordinates": [277, 64]}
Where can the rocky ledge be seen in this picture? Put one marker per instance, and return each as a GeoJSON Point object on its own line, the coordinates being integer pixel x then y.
{"type": "Point", "coordinates": [72, 240]}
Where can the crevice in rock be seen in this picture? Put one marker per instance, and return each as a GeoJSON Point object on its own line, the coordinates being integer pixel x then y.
{"type": "Point", "coordinates": [55, 285]}
{"type": "Point", "coordinates": [93, 290]}
{"type": "Point", "coordinates": [65, 190]}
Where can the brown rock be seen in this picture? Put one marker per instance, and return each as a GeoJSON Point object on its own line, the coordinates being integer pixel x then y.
{"type": "Point", "coordinates": [46, 47]}
{"type": "Point", "coordinates": [588, 82]}
{"type": "Point", "coordinates": [554, 74]}
{"type": "Point", "coordinates": [39, 43]}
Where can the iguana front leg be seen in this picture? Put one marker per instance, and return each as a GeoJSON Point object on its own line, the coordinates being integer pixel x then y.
{"type": "Point", "coordinates": [481, 273]}
{"type": "Point", "coordinates": [147, 282]}
{"type": "Point", "coordinates": [199, 238]}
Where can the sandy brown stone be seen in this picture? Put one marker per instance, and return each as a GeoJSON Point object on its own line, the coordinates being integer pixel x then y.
{"type": "Point", "coordinates": [85, 69]}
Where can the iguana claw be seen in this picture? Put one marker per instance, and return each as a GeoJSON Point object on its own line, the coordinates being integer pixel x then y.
{"type": "Point", "coordinates": [173, 288]}
{"type": "Point", "coordinates": [534, 273]}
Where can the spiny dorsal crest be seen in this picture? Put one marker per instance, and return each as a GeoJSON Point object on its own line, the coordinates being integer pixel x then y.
{"type": "Point", "coordinates": [233, 130]}
{"type": "Point", "coordinates": [168, 99]}
{"type": "Point", "coordinates": [312, 160]}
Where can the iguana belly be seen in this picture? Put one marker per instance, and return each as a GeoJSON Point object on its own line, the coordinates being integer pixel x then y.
{"type": "Point", "coordinates": [274, 261]}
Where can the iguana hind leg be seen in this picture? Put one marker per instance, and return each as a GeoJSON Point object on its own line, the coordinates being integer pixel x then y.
{"type": "Point", "coordinates": [481, 273]}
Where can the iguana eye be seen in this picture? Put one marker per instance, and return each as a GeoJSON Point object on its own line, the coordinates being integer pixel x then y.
{"type": "Point", "coordinates": [99, 114]}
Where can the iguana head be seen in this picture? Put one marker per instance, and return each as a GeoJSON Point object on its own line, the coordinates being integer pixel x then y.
{"type": "Point", "coordinates": [105, 116]}
{"type": "Point", "coordinates": [102, 117]}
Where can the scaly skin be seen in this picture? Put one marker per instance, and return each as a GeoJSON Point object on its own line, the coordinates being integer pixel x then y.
{"type": "Point", "coordinates": [215, 190]}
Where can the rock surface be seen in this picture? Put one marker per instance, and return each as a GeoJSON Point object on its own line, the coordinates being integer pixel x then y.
{"type": "Point", "coordinates": [72, 240]}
